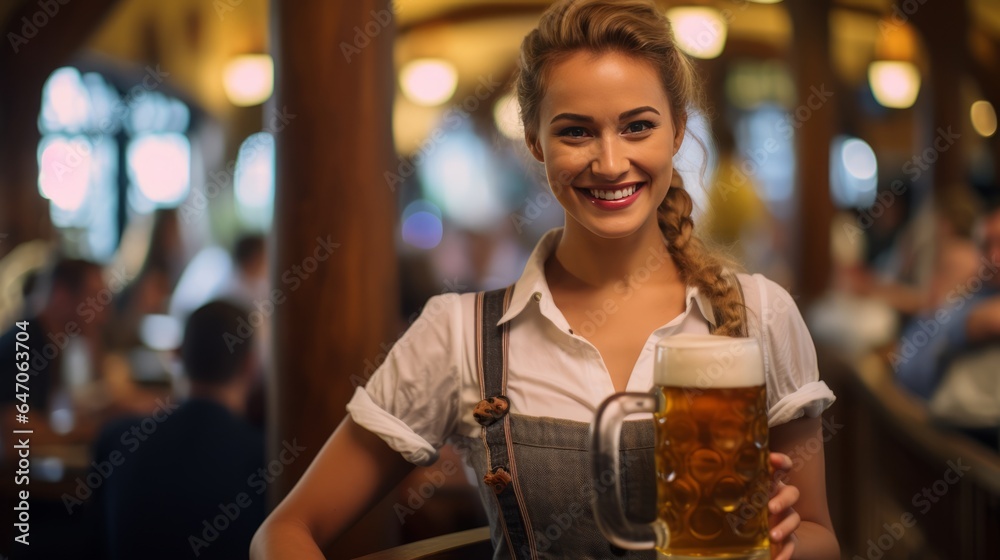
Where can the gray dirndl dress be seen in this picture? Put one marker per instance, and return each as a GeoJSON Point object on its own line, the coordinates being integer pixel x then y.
{"type": "Point", "coordinates": [535, 472]}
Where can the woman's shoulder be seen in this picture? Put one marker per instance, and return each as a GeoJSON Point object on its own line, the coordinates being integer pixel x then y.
{"type": "Point", "coordinates": [445, 310]}
{"type": "Point", "coordinates": [771, 305]}
{"type": "Point", "coordinates": [764, 288]}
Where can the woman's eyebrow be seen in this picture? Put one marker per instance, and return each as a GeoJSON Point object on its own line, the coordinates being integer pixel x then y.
{"type": "Point", "coordinates": [585, 118]}
{"type": "Point", "coordinates": [571, 117]}
{"type": "Point", "coordinates": [636, 111]}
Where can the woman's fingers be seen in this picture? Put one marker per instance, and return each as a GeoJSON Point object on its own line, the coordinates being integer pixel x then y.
{"type": "Point", "coordinates": [780, 461]}
{"type": "Point", "coordinates": [785, 496]}
{"type": "Point", "coordinates": [786, 526]}
{"type": "Point", "coordinates": [785, 551]}
{"type": "Point", "coordinates": [783, 519]}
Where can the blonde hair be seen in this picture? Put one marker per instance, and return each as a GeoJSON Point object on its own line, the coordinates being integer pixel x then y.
{"type": "Point", "coordinates": [639, 29]}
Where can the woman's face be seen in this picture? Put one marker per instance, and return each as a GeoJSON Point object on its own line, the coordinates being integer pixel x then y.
{"type": "Point", "coordinates": [607, 139]}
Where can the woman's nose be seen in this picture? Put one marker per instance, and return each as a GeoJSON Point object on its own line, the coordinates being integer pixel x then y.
{"type": "Point", "coordinates": [610, 161]}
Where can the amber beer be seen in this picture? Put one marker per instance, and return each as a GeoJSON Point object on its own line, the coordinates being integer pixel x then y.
{"type": "Point", "coordinates": [711, 446]}
{"type": "Point", "coordinates": [709, 407]}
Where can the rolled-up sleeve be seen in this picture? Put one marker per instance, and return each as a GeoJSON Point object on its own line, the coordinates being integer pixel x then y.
{"type": "Point", "coordinates": [793, 384]}
{"type": "Point", "coordinates": [411, 400]}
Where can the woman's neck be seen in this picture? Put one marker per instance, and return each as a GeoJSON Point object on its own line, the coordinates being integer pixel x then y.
{"type": "Point", "coordinates": [586, 261]}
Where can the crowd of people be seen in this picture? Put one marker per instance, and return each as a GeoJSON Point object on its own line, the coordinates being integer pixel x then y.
{"type": "Point", "coordinates": [162, 457]}
{"type": "Point", "coordinates": [947, 352]}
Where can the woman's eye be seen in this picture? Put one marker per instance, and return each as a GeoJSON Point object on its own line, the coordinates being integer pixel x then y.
{"type": "Point", "coordinates": [573, 132]}
{"type": "Point", "coordinates": [639, 126]}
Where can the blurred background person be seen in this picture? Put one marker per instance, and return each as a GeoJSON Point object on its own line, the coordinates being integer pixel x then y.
{"type": "Point", "coordinates": [965, 314]}
{"type": "Point", "coordinates": [64, 345]}
{"type": "Point", "coordinates": [249, 287]}
{"type": "Point", "coordinates": [248, 282]}
{"type": "Point", "coordinates": [199, 461]}
{"type": "Point", "coordinates": [149, 291]}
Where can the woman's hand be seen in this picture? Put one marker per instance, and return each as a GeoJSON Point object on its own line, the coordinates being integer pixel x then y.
{"type": "Point", "coordinates": [784, 520]}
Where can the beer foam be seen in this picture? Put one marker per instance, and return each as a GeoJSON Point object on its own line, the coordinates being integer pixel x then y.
{"type": "Point", "coordinates": [705, 361]}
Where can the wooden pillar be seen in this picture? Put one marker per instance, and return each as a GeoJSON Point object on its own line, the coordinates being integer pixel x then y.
{"type": "Point", "coordinates": [35, 42]}
{"type": "Point", "coordinates": [334, 84]}
{"type": "Point", "coordinates": [940, 23]}
{"type": "Point", "coordinates": [815, 120]}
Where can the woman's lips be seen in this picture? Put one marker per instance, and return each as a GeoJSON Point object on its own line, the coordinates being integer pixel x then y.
{"type": "Point", "coordinates": [614, 197]}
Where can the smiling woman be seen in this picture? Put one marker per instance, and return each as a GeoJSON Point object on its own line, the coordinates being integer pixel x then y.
{"type": "Point", "coordinates": [605, 98]}
{"type": "Point", "coordinates": [602, 143]}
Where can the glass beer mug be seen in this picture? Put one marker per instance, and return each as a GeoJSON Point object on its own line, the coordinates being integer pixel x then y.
{"type": "Point", "coordinates": [709, 410]}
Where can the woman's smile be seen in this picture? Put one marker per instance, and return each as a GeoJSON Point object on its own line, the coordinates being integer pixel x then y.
{"type": "Point", "coordinates": [612, 197]}
{"type": "Point", "coordinates": [612, 143]}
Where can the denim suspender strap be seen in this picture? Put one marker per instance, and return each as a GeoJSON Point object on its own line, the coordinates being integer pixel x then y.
{"type": "Point", "coordinates": [491, 358]}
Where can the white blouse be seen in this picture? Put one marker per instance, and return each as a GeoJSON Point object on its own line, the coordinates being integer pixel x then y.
{"type": "Point", "coordinates": [427, 387]}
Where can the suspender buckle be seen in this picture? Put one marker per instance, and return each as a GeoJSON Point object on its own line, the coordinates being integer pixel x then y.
{"type": "Point", "coordinates": [491, 409]}
{"type": "Point", "coordinates": [497, 480]}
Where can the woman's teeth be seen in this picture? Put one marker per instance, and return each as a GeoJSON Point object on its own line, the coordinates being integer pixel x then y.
{"type": "Point", "coordinates": [613, 195]}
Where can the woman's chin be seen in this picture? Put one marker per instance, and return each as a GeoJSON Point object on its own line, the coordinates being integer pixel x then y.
{"type": "Point", "coordinates": [614, 229]}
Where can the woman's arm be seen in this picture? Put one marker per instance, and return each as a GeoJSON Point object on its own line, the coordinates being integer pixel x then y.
{"type": "Point", "coordinates": [802, 483]}
{"type": "Point", "coordinates": [351, 473]}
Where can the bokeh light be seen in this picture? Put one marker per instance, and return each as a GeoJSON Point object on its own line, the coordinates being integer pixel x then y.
{"type": "Point", "coordinates": [506, 115]}
{"type": "Point", "coordinates": [422, 226]}
{"type": "Point", "coordinates": [984, 118]}
{"type": "Point", "coordinates": [895, 84]}
{"type": "Point", "coordinates": [249, 79]}
{"type": "Point", "coordinates": [160, 166]}
{"type": "Point", "coordinates": [428, 81]}
{"type": "Point", "coordinates": [64, 171]}
{"type": "Point", "coordinates": [699, 31]}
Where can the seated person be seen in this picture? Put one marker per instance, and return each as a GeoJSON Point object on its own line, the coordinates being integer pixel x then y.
{"type": "Point", "coordinates": [66, 318]}
{"type": "Point", "coordinates": [967, 320]}
{"type": "Point", "coordinates": [186, 481]}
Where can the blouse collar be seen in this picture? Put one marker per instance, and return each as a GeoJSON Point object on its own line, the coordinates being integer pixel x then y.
{"type": "Point", "coordinates": [533, 286]}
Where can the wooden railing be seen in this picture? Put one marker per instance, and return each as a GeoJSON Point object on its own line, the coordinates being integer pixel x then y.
{"type": "Point", "coordinates": [466, 545]}
{"type": "Point", "coordinates": [900, 486]}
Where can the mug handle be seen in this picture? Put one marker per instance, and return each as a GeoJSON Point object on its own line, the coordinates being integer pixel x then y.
{"type": "Point", "coordinates": [605, 436]}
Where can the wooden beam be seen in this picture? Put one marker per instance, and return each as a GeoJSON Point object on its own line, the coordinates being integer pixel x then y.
{"type": "Point", "coordinates": [336, 87]}
{"type": "Point", "coordinates": [944, 26]}
{"type": "Point", "coordinates": [815, 125]}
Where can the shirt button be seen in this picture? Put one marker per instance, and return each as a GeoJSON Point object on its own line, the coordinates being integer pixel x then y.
{"type": "Point", "coordinates": [537, 296]}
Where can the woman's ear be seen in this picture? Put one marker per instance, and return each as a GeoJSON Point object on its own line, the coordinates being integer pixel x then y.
{"type": "Point", "coordinates": [534, 146]}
